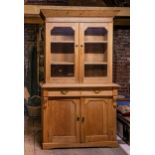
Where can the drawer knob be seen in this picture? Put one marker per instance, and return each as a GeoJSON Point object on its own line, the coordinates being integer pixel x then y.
{"type": "Point", "coordinates": [64, 92]}
{"type": "Point", "coordinates": [97, 91]}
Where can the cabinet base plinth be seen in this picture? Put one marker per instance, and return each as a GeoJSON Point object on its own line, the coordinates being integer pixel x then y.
{"type": "Point", "coordinates": [77, 145]}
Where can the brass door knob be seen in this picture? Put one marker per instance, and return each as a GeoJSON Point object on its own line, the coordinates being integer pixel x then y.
{"type": "Point", "coordinates": [97, 91]}
{"type": "Point", "coordinates": [64, 92]}
{"type": "Point", "coordinates": [78, 118]}
{"type": "Point", "coordinates": [82, 119]}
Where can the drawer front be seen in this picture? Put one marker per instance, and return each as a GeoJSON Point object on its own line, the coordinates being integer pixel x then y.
{"type": "Point", "coordinates": [96, 92]}
{"type": "Point", "coordinates": [63, 93]}
{"type": "Point", "coordinates": [78, 92]}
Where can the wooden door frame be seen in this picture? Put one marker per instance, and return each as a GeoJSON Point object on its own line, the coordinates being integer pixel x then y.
{"type": "Point", "coordinates": [48, 54]}
{"type": "Point", "coordinates": [82, 28]}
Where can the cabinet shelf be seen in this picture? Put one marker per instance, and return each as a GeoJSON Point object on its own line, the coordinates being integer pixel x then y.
{"type": "Point", "coordinates": [62, 41]}
{"type": "Point", "coordinates": [95, 63]}
{"type": "Point", "coordinates": [97, 41]}
{"type": "Point", "coordinates": [62, 63]}
{"type": "Point", "coordinates": [55, 38]}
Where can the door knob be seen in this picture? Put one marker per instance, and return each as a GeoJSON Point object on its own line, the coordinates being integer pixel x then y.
{"type": "Point", "coordinates": [82, 119]}
{"type": "Point", "coordinates": [78, 118]}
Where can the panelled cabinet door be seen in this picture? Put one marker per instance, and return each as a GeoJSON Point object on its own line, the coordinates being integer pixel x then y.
{"type": "Point", "coordinates": [98, 115]}
{"type": "Point", "coordinates": [61, 121]}
{"type": "Point", "coordinates": [96, 51]}
{"type": "Point", "coordinates": [61, 52]}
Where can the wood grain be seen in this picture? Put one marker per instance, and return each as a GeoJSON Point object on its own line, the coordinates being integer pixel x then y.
{"type": "Point", "coordinates": [80, 85]}
{"type": "Point", "coordinates": [62, 124]}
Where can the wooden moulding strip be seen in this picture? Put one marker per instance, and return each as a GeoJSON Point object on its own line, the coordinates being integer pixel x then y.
{"type": "Point", "coordinates": [35, 9]}
{"type": "Point", "coordinates": [77, 85]}
{"type": "Point", "coordinates": [73, 145]}
{"type": "Point", "coordinates": [48, 13]}
{"type": "Point", "coordinates": [79, 19]}
{"type": "Point", "coordinates": [32, 12]}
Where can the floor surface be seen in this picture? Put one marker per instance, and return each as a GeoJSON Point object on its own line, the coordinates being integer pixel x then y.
{"type": "Point", "coordinates": [32, 143]}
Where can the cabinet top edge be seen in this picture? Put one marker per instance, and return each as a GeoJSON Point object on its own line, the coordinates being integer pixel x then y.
{"type": "Point", "coordinates": [50, 13]}
{"type": "Point", "coordinates": [50, 85]}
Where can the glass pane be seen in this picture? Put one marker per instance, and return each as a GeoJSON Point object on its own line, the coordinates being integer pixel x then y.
{"type": "Point", "coordinates": [95, 53]}
{"type": "Point", "coordinates": [62, 52]}
{"type": "Point", "coordinates": [95, 59]}
{"type": "Point", "coordinates": [95, 70]}
{"type": "Point", "coordinates": [95, 34]}
{"type": "Point", "coordinates": [62, 34]}
{"type": "Point", "coordinates": [62, 70]}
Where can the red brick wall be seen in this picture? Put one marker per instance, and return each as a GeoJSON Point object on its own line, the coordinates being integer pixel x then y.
{"type": "Point", "coordinates": [121, 56]}
{"type": "Point", "coordinates": [121, 59]}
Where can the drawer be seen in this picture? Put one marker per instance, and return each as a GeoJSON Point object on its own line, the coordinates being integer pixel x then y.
{"type": "Point", "coordinates": [96, 92]}
{"type": "Point", "coordinates": [55, 93]}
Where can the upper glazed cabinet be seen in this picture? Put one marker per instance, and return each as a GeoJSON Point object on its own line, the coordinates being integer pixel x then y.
{"type": "Point", "coordinates": [78, 51]}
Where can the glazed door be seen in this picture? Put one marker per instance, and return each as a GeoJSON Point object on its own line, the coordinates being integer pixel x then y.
{"type": "Point", "coordinates": [61, 121]}
{"type": "Point", "coordinates": [96, 52]}
{"type": "Point", "coordinates": [98, 120]}
{"type": "Point", "coordinates": [61, 52]}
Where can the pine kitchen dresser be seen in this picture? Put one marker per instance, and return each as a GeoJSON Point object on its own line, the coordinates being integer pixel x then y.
{"type": "Point", "coordinates": [78, 96]}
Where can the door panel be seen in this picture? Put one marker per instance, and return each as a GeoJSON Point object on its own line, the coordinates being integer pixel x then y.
{"type": "Point", "coordinates": [98, 124]}
{"type": "Point", "coordinates": [62, 55]}
{"type": "Point", "coordinates": [96, 50]}
{"type": "Point", "coordinates": [62, 123]}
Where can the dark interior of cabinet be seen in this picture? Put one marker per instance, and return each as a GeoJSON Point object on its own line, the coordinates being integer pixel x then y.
{"type": "Point", "coordinates": [62, 48]}
{"type": "Point", "coordinates": [93, 70]}
{"type": "Point", "coordinates": [99, 31]}
{"type": "Point", "coordinates": [62, 70]}
{"type": "Point", "coordinates": [96, 52]}
{"type": "Point", "coordinates": [63, 31]}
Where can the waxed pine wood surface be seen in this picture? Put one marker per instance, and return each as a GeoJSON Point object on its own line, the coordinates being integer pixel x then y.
{"type": "Point", "coordinates": [62, 126]}
{"type": "Point", "coordinates": [32, 143]}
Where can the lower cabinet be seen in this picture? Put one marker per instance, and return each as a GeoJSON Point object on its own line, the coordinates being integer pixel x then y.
{"type": "Point", "coordinates": [78, 122]}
